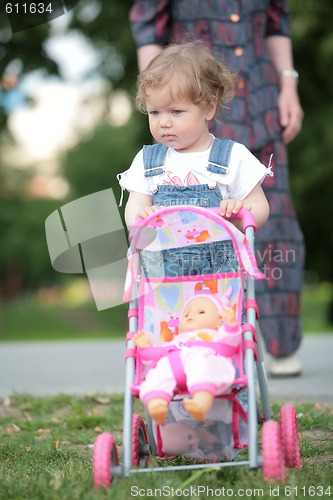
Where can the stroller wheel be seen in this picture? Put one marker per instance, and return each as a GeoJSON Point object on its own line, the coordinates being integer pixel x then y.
{"type": "Point", "coordinates": [105, 456]}
{"type": "Point", "coordinates": [140, 446]}
{"type": "Point", "coordinates": [274, 468]}
{"type": "Point", "coordinates": [289, 436]}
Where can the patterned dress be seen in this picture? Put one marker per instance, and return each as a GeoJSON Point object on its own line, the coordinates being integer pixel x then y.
{"type": "Point", "coordinates": [235, 32]}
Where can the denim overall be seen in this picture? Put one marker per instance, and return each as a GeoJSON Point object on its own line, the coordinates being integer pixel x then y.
{"type": "Point", "coordinates": [200, 259]}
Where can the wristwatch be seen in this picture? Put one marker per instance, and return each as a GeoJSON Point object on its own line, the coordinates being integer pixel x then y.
{"type": "Point", "coordinates": [290, 72]}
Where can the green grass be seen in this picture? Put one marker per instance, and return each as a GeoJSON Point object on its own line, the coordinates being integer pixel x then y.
{"type": "Point", "coordinates": [46, 453]}
{"type": "Point", "coordinates": [30, 320]}
{"type": "Point", "coordinates": [315, 306]}
{"type": "Point", "coordinates": [34, 319]}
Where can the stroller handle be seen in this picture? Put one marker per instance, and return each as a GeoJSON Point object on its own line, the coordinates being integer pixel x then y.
{"type": "Point", "coordinates": [244, 215]}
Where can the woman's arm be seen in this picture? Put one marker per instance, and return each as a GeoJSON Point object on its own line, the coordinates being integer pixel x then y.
{"type": "Point", "coordinates": [290, 110]}
{"type": "Point", "coordinates": [151, 23]}
{"type": "Point", "coordinates": [147, 54]}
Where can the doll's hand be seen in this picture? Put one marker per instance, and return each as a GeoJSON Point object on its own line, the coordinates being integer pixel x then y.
{"type": "Point", "coordinates": [145, 212]}
{"type": "Point", "coordinates": [141, 339]}
{"type": "Point", "coordinates": [228, 316]}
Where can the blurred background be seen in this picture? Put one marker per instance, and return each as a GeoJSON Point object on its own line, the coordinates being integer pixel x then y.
{"type": "Point", "coordinates": [68, 126]}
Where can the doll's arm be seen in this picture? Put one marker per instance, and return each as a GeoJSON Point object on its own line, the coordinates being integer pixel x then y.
{"type": "Point", "coordinates": [142, 339]}
{"type": "Point", "coordinates": [230, 330]}
{"type": "Point", "coordinates": [228, 316]}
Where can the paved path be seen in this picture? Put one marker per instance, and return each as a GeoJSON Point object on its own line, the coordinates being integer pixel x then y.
{"type": "Point", "coordinates": [80, 367]}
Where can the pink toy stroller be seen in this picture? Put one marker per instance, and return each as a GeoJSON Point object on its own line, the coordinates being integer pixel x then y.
{"type": "Point", "coordinates": [155, 305]}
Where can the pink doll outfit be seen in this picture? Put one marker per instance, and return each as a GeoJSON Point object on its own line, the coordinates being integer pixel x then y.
{"type": "Point", "coordinates": [205, 369]}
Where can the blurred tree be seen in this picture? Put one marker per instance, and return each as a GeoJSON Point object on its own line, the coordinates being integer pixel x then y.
{"type": "Point", "coordinates": [24, 260]}
{"type": "Point", "coordinates": [93, 164]}
{"type": "Point", "coordinates": [106, 26]}
{"type": "Point", "coordinates": [310, 154]}
{"type": "Point", "coordinates": [26, 47]}
{"type": "Point", "coordinates": [20, 53]}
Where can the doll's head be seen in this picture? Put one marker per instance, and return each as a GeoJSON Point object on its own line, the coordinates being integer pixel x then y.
{"type": "Point", "coordinates": [201, 311]}
{"type": "Point", "coordinates": [182, 439]}
{"type": "Point", "coordinates": [178, 439]}
{"type": "Point", "coordinates": [204, 310]}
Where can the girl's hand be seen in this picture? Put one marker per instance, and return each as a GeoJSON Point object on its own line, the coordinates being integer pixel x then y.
{"type": "Point", "coordinates": [145, 212]}
{"type": "Point", "coordinates": [229, 207]}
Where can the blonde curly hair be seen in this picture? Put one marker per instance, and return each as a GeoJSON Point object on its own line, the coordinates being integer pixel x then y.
{"type": "Point", "coordinates": [192, 74]}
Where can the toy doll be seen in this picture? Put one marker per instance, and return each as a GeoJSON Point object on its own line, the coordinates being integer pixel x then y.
{"type": "Point", "coordinates": [205, 323]}
{"type": "Point", "coordinates": [201, 440]}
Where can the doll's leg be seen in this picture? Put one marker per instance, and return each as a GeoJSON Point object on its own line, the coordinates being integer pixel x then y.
{"type": "Point", "coordinates": [157, 389]}
{"type": "Point", "coordinates": [158, 409]}
{"type": "Point", "coordinates": [200, 403]}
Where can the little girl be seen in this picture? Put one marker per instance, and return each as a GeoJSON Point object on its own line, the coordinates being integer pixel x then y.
{"type": "Point", "coordinates": [181, 91]}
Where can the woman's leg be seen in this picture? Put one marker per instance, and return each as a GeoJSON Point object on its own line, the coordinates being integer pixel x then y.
{"type": "Point", "coordinates": [280, 255]}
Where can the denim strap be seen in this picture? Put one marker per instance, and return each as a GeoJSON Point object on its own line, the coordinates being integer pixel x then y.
{"type": "Point", "coordinates": [219, 156]}
{"type": "Point", "coordinates": [153, 159]}
{"type": "Point", "coordinates": [218, 162]}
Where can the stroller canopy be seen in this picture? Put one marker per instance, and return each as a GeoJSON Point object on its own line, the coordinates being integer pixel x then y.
{"type": "Point", "coordinates": [182, 226]}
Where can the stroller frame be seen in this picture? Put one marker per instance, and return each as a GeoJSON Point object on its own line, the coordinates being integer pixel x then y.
{"type": "Point", "coordinates": [285, 434]}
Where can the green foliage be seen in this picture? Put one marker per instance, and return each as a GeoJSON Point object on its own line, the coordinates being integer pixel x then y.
{"type": "Point", "coordinates": [26, 46]}
{"type": "Point", "coordinates": [92, 166]}
{"type": "Point", "coordinates": [24, 256]}
{"type": "Point", "coordinates": [34, 318]}
{"type": "Point", "coordinates": [310, 154]}
{"type": "Point", "coordinates": [94, 163]}
{"type": "Point", "coordinates": [110, 33]}
{"type": "Point", "coordinates": [26, 49]}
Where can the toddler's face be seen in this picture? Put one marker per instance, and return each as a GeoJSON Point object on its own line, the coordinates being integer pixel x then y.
{"type": "Point", "coordinates": [200, 313]}
{"type": "Point", "coordinates": [178, 123]}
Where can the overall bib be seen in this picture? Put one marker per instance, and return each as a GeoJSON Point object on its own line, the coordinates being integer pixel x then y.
{"type": "Point", "coordinates": [207, 258]}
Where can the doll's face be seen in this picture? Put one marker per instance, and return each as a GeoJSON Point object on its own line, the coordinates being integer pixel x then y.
{"type": "Point", "coordinates": [178, 439]}
{"type": "Point", "coordinates": [200, 313]}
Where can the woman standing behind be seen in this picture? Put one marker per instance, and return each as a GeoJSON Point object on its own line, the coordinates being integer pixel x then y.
{"type": "Point", "coordinates": [252, 38]}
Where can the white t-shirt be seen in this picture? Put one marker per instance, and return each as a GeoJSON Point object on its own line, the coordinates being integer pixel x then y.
{"type": "Point", "coordinates": [183, 169]}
